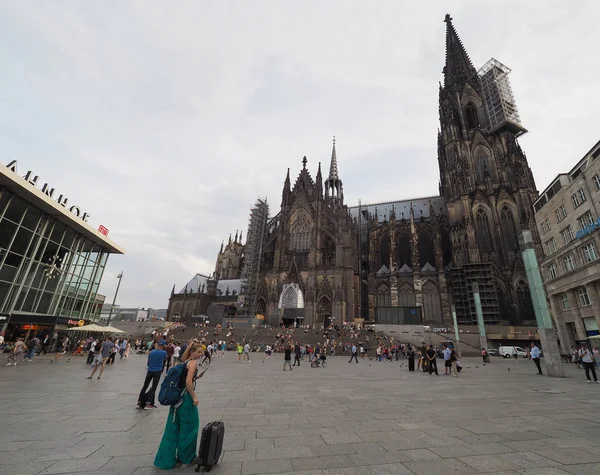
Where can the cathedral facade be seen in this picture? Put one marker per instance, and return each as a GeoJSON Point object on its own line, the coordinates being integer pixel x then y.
{"type": "Point", "coordinates": [322, 261]}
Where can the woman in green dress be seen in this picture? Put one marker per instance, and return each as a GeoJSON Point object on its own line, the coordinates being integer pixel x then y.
{"type": "Point", "coordinates": [180, 440]}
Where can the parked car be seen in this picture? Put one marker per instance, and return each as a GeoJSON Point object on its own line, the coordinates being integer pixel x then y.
{"type": "Point", "coordinates": [493, 352]}
{"type": "Point", "coordinates": [509, 351]}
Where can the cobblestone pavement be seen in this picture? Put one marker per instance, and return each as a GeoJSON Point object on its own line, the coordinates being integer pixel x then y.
{"type": "Point", "coordinates": [344, 419]}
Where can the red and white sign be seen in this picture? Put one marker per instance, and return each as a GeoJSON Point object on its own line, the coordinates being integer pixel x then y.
{"type": "Point", "coordinates": [103, 230]}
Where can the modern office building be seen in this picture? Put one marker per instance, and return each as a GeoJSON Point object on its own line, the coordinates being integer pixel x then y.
{"type": "Point", "coordinates": [51, 259]}
{"type": "Point", "coordinates": [567, 215]}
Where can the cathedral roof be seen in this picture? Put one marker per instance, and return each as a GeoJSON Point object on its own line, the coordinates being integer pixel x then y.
{"type": "Point", "coordinates": [195, 283]}
{"type": "Point", "coordinates": [233, 285]}
{"type": "Point", "coordinates": [458, 69]}
{"type": "Point", "coordinates": [421, 208]}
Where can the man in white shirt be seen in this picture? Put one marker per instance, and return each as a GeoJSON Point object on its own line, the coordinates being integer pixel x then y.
{"type": "Point", "coordinates": [587, 358]}
{"type": "Point", "coordinates": [247, 352]}
{"type": "Point", "coordinates": [175, 356]}
{"type": "Point", "coordinates": [447, 363]}
{"type": "Point", "coordinates": [534, 353]}
{"type": "Point", "coordinates": [354, 354]}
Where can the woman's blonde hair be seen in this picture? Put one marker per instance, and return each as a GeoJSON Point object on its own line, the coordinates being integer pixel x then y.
{"type": "Point", "coordinates": [192, 348]}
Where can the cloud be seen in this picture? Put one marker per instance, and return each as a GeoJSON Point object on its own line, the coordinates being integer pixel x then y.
{"type": "Point", "coordinates": [167, 122]}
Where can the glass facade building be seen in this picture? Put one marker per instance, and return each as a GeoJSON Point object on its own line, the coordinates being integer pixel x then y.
{"type": "Point", "coordinates": [51, 261]}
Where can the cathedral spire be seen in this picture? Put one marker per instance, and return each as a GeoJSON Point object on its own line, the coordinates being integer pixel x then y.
{"type": "Point", "coordinates": [458, 69]}
{"type": "Point", "coordinates": [229, 240]}
{"type": "Point", "coordinates": [221, 251]}
{"type": "Point", "coordinates": [319, 182]}
{"type": "Point", "coordinates": [236, 235]}
{"type": "Point", "coordinates": [333, 169]}
{"type": "Point", "coordinates": [241, 237]}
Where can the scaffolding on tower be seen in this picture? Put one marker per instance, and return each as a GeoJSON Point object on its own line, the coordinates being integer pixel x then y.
{"type": "Point", "coordinates": [252, 258]}
{"type": "Point", "coordinates": [499, 99]}
{"type": "Point", "coordinates": [461, 286]}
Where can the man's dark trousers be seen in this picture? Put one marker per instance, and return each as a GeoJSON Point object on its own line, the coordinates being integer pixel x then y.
{"type": "Point", "coordinates": [354, 355]}
{"type": "Point", "coordinates": [537, 363]}
{"type": "Point", "coordinates": [148, 397]}
{"type": "Point", "coordinates": [296, 359]}
{"type": "Point", "coordinates": [432, 365]}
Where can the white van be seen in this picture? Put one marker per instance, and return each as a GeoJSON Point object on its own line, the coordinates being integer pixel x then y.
{"type": "Point", "coordinates": [509, 351]}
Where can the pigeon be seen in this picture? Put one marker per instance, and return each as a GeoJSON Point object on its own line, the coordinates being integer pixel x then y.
{"type": "Point", "coordinates": [476, 366]}
{"type": "Point", "coordinates": [509, 369]}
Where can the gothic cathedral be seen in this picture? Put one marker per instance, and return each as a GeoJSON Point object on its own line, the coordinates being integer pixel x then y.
{"type": "Point", "coordinates": [410, 260]}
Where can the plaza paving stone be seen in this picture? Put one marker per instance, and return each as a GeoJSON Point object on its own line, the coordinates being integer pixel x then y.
{"type": "Point", "coordinates": [347, 419]}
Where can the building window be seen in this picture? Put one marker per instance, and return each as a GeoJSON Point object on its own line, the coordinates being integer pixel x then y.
{"type": "Point", "coordinates": [552, 271]}
{"type": "Point", "coordinates": [550, 246]}
{"type": "Point", "coordinates": [567, 235]}
{"type": "Point", "coordinates": [564, 301]}
{"type": "Point", "coordinates": [596, 181]}
{"type": "Point", "coordinates": [471, 116]}
{"type": "Point", "coordinates": [585, 220]}
{"type": "Point", "coordinates": [561, 213]}
{"type": "Point", "coordinates": [569, 262]}
{"type": "Point", "coordinates": [578, 198]}
{"type": "Point", "coordinates": [545, 226]}
{"type": "Point", "coordinates": [584, 298]}
{"type": "Point", "coordinates": [589, 252]}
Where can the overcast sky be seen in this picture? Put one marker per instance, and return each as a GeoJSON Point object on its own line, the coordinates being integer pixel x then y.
{"type": "Point", "coordinates": [166, 120]}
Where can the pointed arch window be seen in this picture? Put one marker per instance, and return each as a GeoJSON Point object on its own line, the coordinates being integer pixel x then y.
{"type": "Point", "coordinates": [404, 249]}
{"type": "Point", "coordinates": [384, 298]}
{"type": "Point", "coordinates": [509, 232]}
{"type": "Point", "coordinates": [300, 233]}
{"type": "Point", "coordinates": [384, 250]}
{"type": "Point", "coordinates": [471, 116]}
{"type": "Point", "coordinates": [426, 249]}
{"type": "Point", "coordinates": [482, 226]}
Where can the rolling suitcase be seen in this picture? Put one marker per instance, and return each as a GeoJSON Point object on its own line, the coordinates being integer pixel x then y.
{"type": "Point", "coordinates": [211, 445]}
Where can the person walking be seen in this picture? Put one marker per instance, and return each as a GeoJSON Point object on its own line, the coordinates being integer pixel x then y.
{"type": "Point", "coordinates": [534, 354]}
{"type": "Point", "coordinates": [156, 360]}
{"type": "Point", "coordinates": [247, 352]}
{"type": "Point", "coordinates": [208, 354]}
{"type": "Point", "coordinates": [354, 354]}
{"type": "Point", "coordinates": [91, 352]}
{"type": "Point", "coordinates": [122, 347]}
{"type": "Point", "coordinates": [587, 359]}
{"type": "Point", "coordinates": [170, 349]}
{"type": "Point", "coordinates": [454, 362]}
{"type": "Point", "coordinates": [17, 353]}
{"type": "Point", "coordinates": [447, 362]}
{"type": "Point", "coordinates": [180, 439]}
{"type": "Point", "coordinates": [113, 352]}
{"type": "Point", "coordinates": [107, 347]}
{"type": "Point", "coordinates": [44, 346]}
{"type": "Point", "coordinates": [31, 344]}
{"type": "Point", "coordinates": [410, 353]}
{"type": "Point", "coordinates": [431, 355]}
{"type": "Point", "coordinates": [297, 354]}
{"type": "Point", "coordinates": [287, 359]}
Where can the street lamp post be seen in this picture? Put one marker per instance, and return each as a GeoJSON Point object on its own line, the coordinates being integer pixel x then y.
{"type": "Point", "coordinates": [120, 276]}
{"type": "Point", "coordinates": [553, 363]}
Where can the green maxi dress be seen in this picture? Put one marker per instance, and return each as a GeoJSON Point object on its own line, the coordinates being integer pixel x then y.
{"type": "Point", "coordinates": [180, 440]}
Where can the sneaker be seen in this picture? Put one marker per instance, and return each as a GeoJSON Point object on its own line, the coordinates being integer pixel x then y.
{"type": "Point", "coordinates": [8, 364]}
{"type": "Point", "coordinates": [589, 381]}
{"type": "Point", "coordinates": [151, 406]}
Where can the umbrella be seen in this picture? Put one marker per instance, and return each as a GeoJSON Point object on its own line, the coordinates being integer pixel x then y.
{"type": "Point", "coordinates": [89, 328]}
{"type": "Point", "coordinates": [111, 329]}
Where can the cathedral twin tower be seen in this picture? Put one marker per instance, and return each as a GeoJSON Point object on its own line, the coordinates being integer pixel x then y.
{"type": "Point", "coordinates": [409, 261]}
